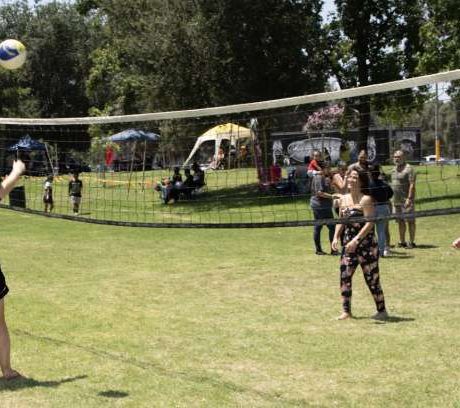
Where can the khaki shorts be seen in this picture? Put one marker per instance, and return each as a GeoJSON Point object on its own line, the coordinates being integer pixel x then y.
{"type": "Point", "coordinates": [400, 209]}
{"type": "Point", "coordinates": [75, 200]}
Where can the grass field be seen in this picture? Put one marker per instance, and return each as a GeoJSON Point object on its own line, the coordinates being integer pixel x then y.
{"type": "Point", "coordinates": [106, 316]}
{"type": "Point", "coordinates": [231, 196]}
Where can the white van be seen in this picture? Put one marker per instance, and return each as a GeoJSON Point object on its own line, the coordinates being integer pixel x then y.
{"type": "Point", "coordinates": [431, 159]}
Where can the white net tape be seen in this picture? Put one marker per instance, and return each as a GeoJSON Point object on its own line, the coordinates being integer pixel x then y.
{"type": "Point", "coordinates": [246, 107]}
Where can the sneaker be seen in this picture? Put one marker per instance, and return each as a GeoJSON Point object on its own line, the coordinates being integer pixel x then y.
{"type": "Point", "coordinates": [381, 315]}
{"type": "Point", "coordinates": [320, 253]}
{"type": "Point", "coordinates": [402, 245]}
{"type": "Point", "coordinates": [411, 245]}
{"type": "Point", "coordinates": [386, 253]}
{"type": "Point", "coordinates": [335, 253]}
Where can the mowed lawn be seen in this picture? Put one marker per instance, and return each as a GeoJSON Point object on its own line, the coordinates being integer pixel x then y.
{"type": "Point", "coordinates": [106, 316]}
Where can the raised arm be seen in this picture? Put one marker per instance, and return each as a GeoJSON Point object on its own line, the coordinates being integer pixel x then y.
{"type": "Point", "coordinates": [9, 183]}
{"type": "Point", "coordinates": [338, 230]}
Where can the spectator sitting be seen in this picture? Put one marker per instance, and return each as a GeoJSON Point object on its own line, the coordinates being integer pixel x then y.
{"type": "Point", "coordinates": [198, 176]}
{"type": "Point", "coordinates": [188, 185]}
{"type": "Point", "coordinates": [167, 193]}
{"type": "Point", "coordinates": [220, 159]}
{"type": "Point", "coordinates": [176, 177]}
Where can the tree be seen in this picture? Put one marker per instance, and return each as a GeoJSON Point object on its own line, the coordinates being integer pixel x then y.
{"type": "Point", "coordinates": [183, 54]}
{"type": "Point", "coordinates": [59, 43]}
{"type": "Point", "coordinates": [372, 42]}
{"type": "Point", "coordinates": [440, 35]}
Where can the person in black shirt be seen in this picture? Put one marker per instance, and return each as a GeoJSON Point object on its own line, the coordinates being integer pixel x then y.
{"type": "Point", "coordinates": [75, 188]}
{"type": "Point", "coordinates": [381, 192]}
{"type": "Point", "coordinates": [176, 177]}
{"type": "Point", "coordinates": [189, 184]}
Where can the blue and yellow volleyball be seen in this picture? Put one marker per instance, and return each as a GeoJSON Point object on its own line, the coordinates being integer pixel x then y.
{"type": "Point", "coordinates": [12, 54]}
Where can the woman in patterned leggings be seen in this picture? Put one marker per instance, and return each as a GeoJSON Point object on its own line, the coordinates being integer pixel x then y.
{"type": "Point", "coordinates": [358, 244]}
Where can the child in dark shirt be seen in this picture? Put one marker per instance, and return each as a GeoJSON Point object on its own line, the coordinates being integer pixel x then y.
{"type": "Point", "coordinates": [75, 188]}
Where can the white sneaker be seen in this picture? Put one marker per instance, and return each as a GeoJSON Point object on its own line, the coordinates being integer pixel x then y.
{"type": "Point", "coordinates": [386, 252]}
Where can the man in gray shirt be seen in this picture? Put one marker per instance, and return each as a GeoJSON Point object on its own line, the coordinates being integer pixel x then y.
{"type": "Point", "coordinates": [321, 204]}
{"type": "Point", "coordinates": [403, 184]}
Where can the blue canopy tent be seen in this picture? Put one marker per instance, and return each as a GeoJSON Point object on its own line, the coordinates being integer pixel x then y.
{"type": "Point", "coordinates": [135, 135]}
{"type": "Point", "coordinates": [27, 144]}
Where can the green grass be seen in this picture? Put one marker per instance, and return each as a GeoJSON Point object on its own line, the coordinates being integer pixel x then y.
{"type": "Point", "coordinates": [232, 196]}
{"type": "Point", "coordinates": [106, 316]}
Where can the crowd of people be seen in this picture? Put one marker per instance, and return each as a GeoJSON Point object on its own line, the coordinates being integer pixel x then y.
{"type": "Point", "coordinates": [328, 187]}
{"type": "Point", "coordinates": [360, 190]}
{"type": "Point", "coordinates": [176, 187]}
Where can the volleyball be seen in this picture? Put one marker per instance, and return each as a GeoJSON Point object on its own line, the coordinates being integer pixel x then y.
{"type": "Point", "coordinates": [12, 54]}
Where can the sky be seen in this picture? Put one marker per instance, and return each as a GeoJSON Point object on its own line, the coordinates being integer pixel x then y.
{"type": "Point", "coordinates": [327, 7]}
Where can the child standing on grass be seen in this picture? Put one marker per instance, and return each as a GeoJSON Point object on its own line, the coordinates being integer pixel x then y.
{"type": "Point", "coordinates": [5, 352]}
{"type": "Point", "coordinates": [48, 194]}
{"type": "Point", "coordinates": [75, 188]}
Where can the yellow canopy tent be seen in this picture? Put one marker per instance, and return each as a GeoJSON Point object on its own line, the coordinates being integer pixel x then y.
{"type": "Point", "coordinates": [227, 131]}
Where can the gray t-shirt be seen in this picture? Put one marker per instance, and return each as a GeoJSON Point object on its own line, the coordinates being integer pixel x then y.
{"type": "Point", "coordinates": [400, 182]}
{"type": "Point", "coordinates": [319, 184]}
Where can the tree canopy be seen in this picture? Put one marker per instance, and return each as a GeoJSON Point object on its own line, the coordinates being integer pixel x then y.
{"type": "Point", "coordinates": [118, 57]}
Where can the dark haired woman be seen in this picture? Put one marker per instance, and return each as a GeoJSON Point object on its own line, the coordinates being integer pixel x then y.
{"type": "Point", "coordinates": [358, 244]}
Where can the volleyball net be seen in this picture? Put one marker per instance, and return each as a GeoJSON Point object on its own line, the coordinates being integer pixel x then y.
{"type": "Point", "coordinates": [234, 166]}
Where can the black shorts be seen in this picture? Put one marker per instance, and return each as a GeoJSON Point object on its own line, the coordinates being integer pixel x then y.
{"type": "Point", "coordinates": [3, 288]}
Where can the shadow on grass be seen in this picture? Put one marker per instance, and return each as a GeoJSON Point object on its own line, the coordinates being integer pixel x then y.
{"type": "Point", "coordinates": [197, 377]}
{"type": "Point", "coordinates": [399, 255]}
{"type": "Point", "coordinates": [390, 319]}
{"type": "Point", "coordinates": [395, 319]}
{"type": "Point", "coordinates": [426, 246]}
{"type": "Point", "coordinates": [243, 196]}
{"type": "Point", "coordinates": [433, 199]}
{"type": "Point", "coordinates": [21, 383]}
{"type": "Point", "coordinates": [113, 394]}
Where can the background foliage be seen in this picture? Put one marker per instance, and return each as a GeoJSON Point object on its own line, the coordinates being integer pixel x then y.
{"type": "Point", "coordinates": [140, 56]}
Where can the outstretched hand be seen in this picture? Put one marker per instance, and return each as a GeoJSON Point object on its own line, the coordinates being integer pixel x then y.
{"type": "Point", "coordinates": [18, 167]}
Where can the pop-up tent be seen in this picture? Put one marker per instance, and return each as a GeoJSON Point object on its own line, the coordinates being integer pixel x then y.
{"type": "Point", "coordinates": [27, 144]}
{"type": "Point", "coordinates": [134, 136]}
{"type": "Point", "coordinates": [227, 131]}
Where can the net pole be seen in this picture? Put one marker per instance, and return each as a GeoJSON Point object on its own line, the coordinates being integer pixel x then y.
{"type": "Point", "coordinates": [437, 150]}
{"type": "Point", "coordinates": [132, 166]}
{"type": "Point", "coordinates": [143, 164]}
